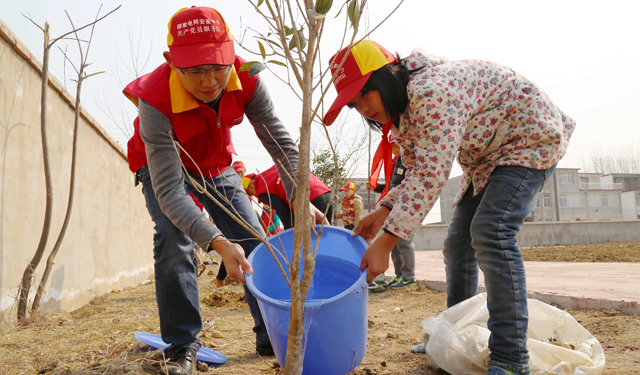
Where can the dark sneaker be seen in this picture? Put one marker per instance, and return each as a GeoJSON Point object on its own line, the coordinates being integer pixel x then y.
{"type": "Point", "coordinates": [183, 362]}
{"type": "Point", "coordinates": [403, 283]}
{"type": "Point", "coordinates": [394, 280]}
{"type": "Point", "coordinates": [495, 370]}
{"type": "Point", "coordinates": [264, 349]}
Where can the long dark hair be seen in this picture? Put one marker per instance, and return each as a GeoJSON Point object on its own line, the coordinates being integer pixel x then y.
{"type": "Point", "coordinates": [391, 82]}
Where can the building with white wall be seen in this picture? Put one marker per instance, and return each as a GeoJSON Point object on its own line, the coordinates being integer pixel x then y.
{"type": "Point", "coordinates": [573, 196]}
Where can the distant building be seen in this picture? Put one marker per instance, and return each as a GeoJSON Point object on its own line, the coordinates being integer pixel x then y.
{"type": "Point", "coordinates": [570, 195]}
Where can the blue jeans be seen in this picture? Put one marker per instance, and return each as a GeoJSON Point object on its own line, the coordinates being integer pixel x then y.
{"type": "Point", "coordinates": [483, 234]}
{"type": "Point", "coordinates": [177, 292]}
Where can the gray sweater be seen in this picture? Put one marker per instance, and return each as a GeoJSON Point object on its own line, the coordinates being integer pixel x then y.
{"type": "Point", "coordinates": [167, 176]}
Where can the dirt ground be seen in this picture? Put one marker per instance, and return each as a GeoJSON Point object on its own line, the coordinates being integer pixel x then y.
{"type": "Point", "coordinates": [98, 338]}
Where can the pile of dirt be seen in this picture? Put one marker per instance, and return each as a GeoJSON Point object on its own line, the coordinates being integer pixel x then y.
{"type": "Point", "coordinates": [98, 338]}
{"type": "Point", "coordinates": [225, 298]}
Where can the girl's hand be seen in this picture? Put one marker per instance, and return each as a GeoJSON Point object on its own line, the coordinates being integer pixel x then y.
{"type": "Point", "coordinates": [376, 258]}
{"type": "Point", "coordinates": [233, 258]}
{"type": "Point", "coordinates": [371, 223]}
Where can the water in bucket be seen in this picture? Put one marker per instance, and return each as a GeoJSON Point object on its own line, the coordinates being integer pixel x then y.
{"type": "Point", "coordinates": [335, 308]}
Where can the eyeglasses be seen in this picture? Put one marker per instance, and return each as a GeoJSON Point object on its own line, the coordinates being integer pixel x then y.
{"type": "Point", "coordinates": [199, 73]}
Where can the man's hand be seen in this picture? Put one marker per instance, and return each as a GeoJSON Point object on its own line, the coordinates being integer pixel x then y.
{"type": "Point", "coordinates": [376, 258]}
{"type": "Point", "coordinates": [233, 258]}
{"type": "Point", "coordinates": [371, 223]}
{"type": "Point", "coordinates": [369, 187]}
{"type": "Point", "coordinates": [317, 216]}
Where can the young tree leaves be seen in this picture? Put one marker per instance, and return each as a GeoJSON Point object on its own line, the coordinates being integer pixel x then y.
{"type": "Point", "coordinates": [254, 67]}
{"type": "Point", "coordinates": [288, 31]}
{"type": "Point", "coordinates": [323, 6]}
{"type": "Point", "coordinates": [293, 43]}
{"type": "Point", "coordinates": [354, 13]}
{"type": "Point", "coordinates": [313, 14]}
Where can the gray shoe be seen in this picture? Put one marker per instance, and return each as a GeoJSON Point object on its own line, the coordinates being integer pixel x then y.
{"type": "Point", "coordinates": [418, 349]}
{"type": "Point", "coordinates": [495, 370]}
{"type": "Point", "coordinates": [403, 283]}
{"type": "Point", "coordinates": [394, 280]}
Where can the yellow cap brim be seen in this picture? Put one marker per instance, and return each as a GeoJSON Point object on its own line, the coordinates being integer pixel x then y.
{"type": "Point", "coordinates": [245, 182]}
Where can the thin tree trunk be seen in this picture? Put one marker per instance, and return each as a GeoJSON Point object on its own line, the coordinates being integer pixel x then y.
{"type": "Point", "coordinates": [302, 239]}
{"type": "Point", "coordinates": [25, 285]}
{"type": "Point", "coordinates": [65, 224]}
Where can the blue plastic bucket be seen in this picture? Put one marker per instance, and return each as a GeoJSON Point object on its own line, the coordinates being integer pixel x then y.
{"type": "Point", "coordinates": [335, 319]}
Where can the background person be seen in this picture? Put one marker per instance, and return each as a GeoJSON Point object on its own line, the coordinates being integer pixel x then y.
{"type": "Point", "coordinates": [269, 220]}
{"type": "Point", "coordinates": [508, 136]}
{"type": "Point", "coordinates": [352, 206]}
{"type": "Point", "coordinates": [403, 254]}
{"type": "Point", "coordinates": [269, 189]}
{"type": "Point", "coordinates": [239, 167]}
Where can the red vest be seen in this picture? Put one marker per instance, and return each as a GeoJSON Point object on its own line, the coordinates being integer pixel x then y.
{"type": "Point", "coordinates": [269, 181]}
{"type": "Point", "coordinates": [203, 133]}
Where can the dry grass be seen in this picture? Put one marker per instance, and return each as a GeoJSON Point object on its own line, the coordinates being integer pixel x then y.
{"type": "Point", "coordinates": [98, 338]}
{"type": "Point", "coordinates": [594, 253]}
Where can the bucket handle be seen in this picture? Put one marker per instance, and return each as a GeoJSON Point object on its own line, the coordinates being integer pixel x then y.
{"type": "Point", "coordinates": [373, 285]}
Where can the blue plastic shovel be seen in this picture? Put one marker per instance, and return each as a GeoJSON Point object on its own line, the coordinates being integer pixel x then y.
{"type": "Point", "coordinates": [204, 354]}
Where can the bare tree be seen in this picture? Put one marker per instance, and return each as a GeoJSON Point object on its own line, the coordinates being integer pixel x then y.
{"type": "Point", "coordinates": [622, 160]}
{"type": "Point", "coordinates": [25, 285]}
{"type": "Point", "coordinates": [347, 142]}
{"type": "Point", "coordinates": [295, 31]}
{"type": "Point", "coordinates": [350, 152]}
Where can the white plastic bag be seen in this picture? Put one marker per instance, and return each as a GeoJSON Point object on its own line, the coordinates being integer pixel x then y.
{"type": "Point", "coordinates": [557, 343]}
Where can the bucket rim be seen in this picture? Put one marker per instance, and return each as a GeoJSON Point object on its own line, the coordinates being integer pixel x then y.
{"type": "Point", "coordinates": [361, 282]}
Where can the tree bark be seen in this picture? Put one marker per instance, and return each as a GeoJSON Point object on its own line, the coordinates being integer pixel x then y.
{"type": "Point", "coordinates": [302, 238]}
{"type": "Point", "coordinates": [65, 224]}
{"type": "Point", "coordinates": [25, 285]}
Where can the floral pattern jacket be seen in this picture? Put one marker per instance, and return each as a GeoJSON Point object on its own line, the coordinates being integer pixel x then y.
{"type": "Point", "coordinates": [486, 114]}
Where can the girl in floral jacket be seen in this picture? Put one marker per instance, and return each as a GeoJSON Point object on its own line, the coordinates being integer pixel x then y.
{"type": "Point", "coordinates": [508, 137]}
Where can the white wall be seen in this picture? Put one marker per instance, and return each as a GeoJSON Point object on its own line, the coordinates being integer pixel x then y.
{"type": "Point", "coordinates": [109, 240]}
{"type": "Point", "coordinates": [431, 237]}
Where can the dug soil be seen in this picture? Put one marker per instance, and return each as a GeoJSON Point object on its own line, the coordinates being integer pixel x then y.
{"type": "Point", "coordinates": [98, 338]}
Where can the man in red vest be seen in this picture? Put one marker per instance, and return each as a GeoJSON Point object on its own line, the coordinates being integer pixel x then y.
{"type": "Point", "coordinates": [194, 99]}
{"type": "Point", "coordinates": [268, 187]}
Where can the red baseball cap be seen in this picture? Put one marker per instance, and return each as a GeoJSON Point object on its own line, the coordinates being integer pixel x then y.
{"type": "Point", "coordinates": [199, 36]}
{"type": "Point", "coordinates": [246, 180]}
{"type": "Point", "coordinates": [365, 58]}
{"type": "Point", "coordinates": [238, 166]}
{"type": "Point", "coordinates": [349, 185]}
